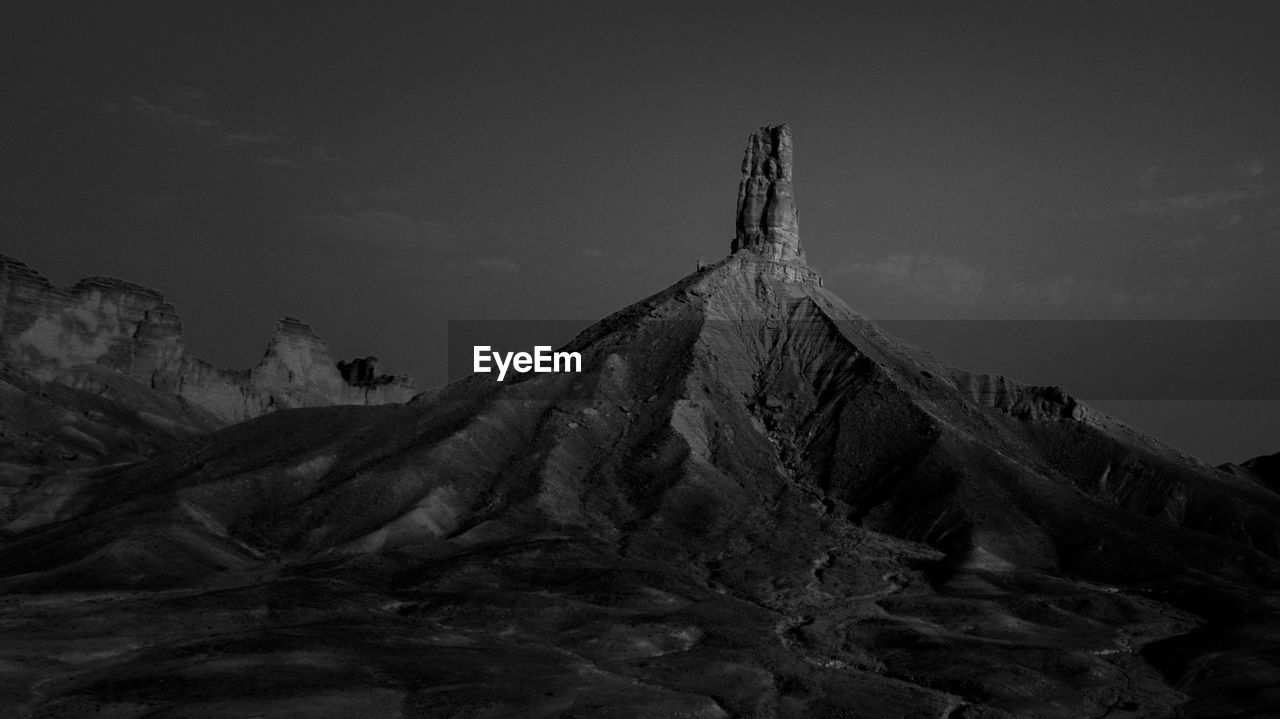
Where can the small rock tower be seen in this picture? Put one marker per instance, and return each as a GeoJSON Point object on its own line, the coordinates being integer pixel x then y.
{"type": "Point", "coordinates": [767, 220]}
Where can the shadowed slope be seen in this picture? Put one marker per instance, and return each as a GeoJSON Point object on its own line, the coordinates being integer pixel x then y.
{"type": "Point", "coordinates": [751, 502]}
{"type": "Point", "coordinates": [697, 406]}
{"type": "Point", "coordinates": [750, 436]}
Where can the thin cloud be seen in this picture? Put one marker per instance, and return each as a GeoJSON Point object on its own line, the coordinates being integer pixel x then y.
{"type": "Point", "coordinates": [1197, 201]}
{"type": "Point", "coordinates": [243, 139]}
{"type": "Point", "coordinates": [931, 277]}
{"type": "Point", "coordinates": [951, 283]}
{"type": "Point", "coordinates": [1068, 292]}
{"type": "Point", "coordinates": [497, 266]}
{"type": "Point", "coordinates": [400, 233]}
{"type": "Point", "coordinates": [368, 199]}
{"type": "Point", "coordinates": [1177, 192]}
{"type": "Point", "coordinates": [278, 162]}
{"type": "Point", "coordinates": [1251, 168]}
{"type": "Point", "coordinates": [314, 157]}
{"type": "Point", "coordinates": [183, 110]}
{"type": "Point", "coordinates": [1151, 177]}
{"type": "Point", "coordinates": [321, 154]}
{"type": "Point", "coordinates": [171, 116]}
{"type": "Point", "coordinates": [379, 227]}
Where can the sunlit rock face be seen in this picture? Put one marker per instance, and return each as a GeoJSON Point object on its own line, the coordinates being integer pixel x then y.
{"type": "Point", "coordinates": [56, 334]}
{"type": "Point", "coordinates": [767, 221]}
{"type": "Point", "coordinates": [767, 218]}
{"type": "Point", "coordinates": [297, 370]}
{"type": "Point", "coordinates": [99, 320]}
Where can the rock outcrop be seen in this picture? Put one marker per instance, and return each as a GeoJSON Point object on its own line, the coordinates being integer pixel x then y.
{"type": "Point", "coordinates": [1019, 400]}
{"type": "Point", "coordinates": [1265, 470]}
{"type": "Point", "coordinates": [362, 372]}
{"type": "Point", "coordinates": [767, 221]}
{"type": "Point", "coordinates": [98, 321]}
{"type": "Point", "coordinates": [68, 336]}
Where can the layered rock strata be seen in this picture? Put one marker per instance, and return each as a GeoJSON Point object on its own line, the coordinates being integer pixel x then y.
{"type": "Point", "coordinates": [56, 334]}
{"type": "Point", "coordinates": [767, 221]}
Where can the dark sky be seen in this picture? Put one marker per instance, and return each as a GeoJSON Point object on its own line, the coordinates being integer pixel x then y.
{"type": "Point", "coordinates": [378, 172]}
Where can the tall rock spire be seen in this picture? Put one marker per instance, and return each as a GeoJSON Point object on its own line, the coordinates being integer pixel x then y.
{"type": "Point", "coordinates": [767, 218]}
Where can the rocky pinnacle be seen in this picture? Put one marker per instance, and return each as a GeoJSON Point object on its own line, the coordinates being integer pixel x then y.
{"type": "Point", "coordinates": [767, 220]}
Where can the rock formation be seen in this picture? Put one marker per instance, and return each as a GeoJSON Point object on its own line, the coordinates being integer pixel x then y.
{"type": "Point", "coordinates": [100, 324]}
{"type": "Point", "coordinates": [361, 372]}
{"type": "Point", "coordinates": [99, 321]}
{"type": "Point", "coordinates": [1266, 467]}
{"type": "Point", "coordinates": [752, 502]}
{"type": "Point", "coordinates": [1265, 470]}
{"type": "Point", "coordinates": [767, 221]}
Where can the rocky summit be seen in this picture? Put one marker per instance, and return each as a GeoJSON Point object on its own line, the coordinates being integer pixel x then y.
{"type": "Point", "coordinates": [752, 502]}
{"type": "Point", "coordinates": [102, 324]}
{"type": "Point", "coordinates": [97, 375]}
{"type": "Point", "coordinates": [768, 224]}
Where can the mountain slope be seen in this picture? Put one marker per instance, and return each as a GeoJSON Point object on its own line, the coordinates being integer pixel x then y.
{"type": "Point", "coordinates": [751, 502]}
{"type": "Point", "coordinates": [741, 432]}
{"type": "Point", "coordinates": [733, 384]}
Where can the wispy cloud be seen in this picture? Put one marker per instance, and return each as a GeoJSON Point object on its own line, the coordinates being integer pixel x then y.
{"type": "Point", "coordinates": [184, 110]}
{"type": "Point", "coordinates": [1185, 191]}
{"type": "Point", "coordinates": [315, 157]}
{"type": "Point", "coordinates": [931, 277]}
{"type": "Point", "coordinates": [1068, 292]}
{"type": "Point", "coordinates": [400, 233]}
{"type": "Point", "coordinates": [379, 227]}
{"type": "Point", "coordinates": [369, 199]}
{"type": "Point", "coordinates": [496, 265]}
{"type": "Point", "coordinates": [1151, 177]}
{"type": "Point", "coordinates": [1197, 201]}
{"type": "Point", "coordinates": [491, 265]}
{"type": "Point", "coordinates": [1252, 167]}
{"type": "Point", "coordinates": [171, 116]}
{"type": "Point", "coordinates": [321, 155]}
{"type": "Point", "coordinates": [949, 284]}
{"type": "Point", "coordinates": [277, 161]}
{"type": "Point", "coordinates": [245, 139]}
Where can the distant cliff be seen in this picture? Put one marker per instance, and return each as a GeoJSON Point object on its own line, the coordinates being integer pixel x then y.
{"type": "Point", "coordinates": [70, 335]}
